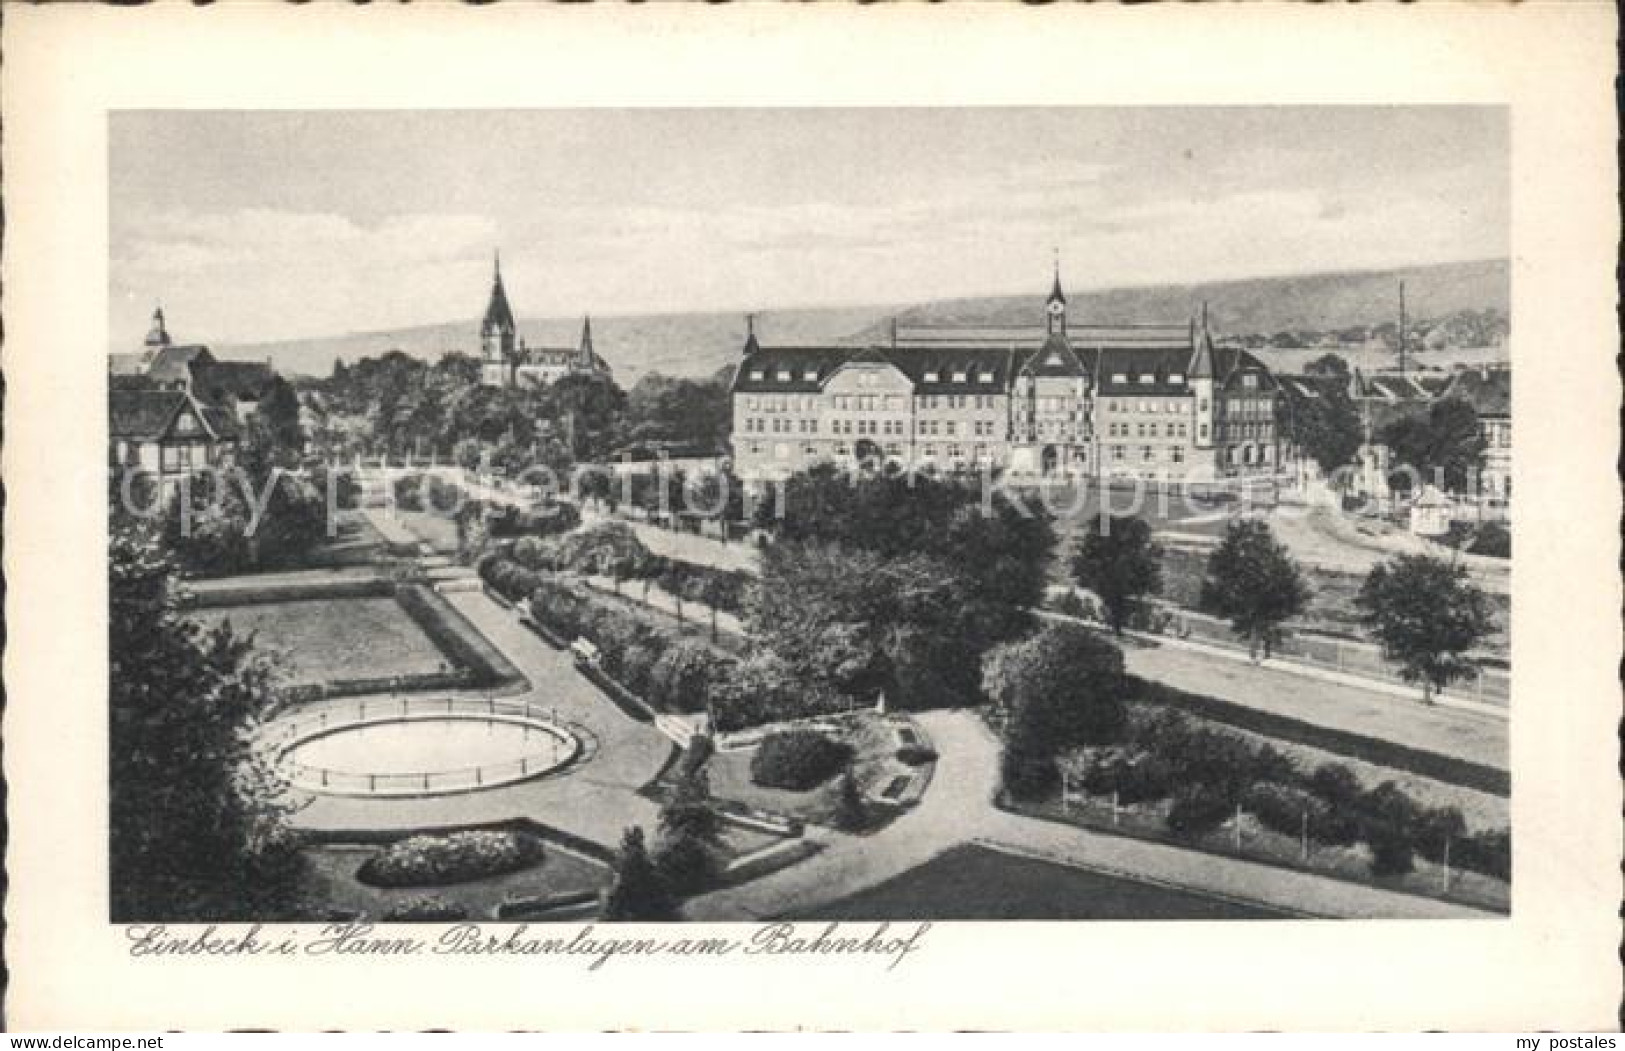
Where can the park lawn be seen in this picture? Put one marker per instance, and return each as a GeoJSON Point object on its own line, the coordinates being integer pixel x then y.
{"type": "Point", "coordinates": [973, 882]}
{"type": "Point", "coordinates": [436, 530]}
{"type": "Point", "coordinates": [331, 639]}
{"type": "Point", "coordinates": [330, 882]}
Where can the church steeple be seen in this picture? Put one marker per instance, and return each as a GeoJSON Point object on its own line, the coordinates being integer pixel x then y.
{"type": "Point", "coordinates": [158, 335]}
{"type": "Point", "coordinates": [584, 354]}
{"type": "Point", "coordinates": [498, 332]}
{"type": "Point", "coordinates": [1055, 306]}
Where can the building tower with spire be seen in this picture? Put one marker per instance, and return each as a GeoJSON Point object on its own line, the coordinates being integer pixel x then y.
{"type": "Point", "coordinates": [1055, 306]}
{"type": "Point", "coordinates": [157, 337]}
{"type": "Point", "coordinates": [506, 360]}
{"type": "Point", "coordinates": [498, 334]}
{"type": "Point", "coordinates": [1200, 373]}
{"type": "Point", "coordinates": [585, 356]}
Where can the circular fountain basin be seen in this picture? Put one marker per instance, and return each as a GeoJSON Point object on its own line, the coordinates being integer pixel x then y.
{"type": "Point", "coordinates": [421, 753]}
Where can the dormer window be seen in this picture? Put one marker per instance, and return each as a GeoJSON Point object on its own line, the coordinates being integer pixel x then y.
{"type": "Point", "coordinates": [810, 375]}
{"type": "Point", "coordinates": [959, 377]}
{"type": "Point", "coordinates": [1146, 377]}
{"type": "Point", "coordinates": [985, 377]}
{"type": "Point", "coordinates": [757, 374]}
{"type": "Point", "coordinates": [931, 377]}
{"type": "Point", "coordinates": [1176, 378]}
{"type": "Point", "coordinates": [784, 375]}
{"type": "Point", "coordinates": [1119, 377]}
{"type": "Point", "coordinates": [1250, 380]}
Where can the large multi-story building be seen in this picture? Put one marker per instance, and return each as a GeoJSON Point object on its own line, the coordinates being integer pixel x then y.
{"type": "Point", "coordinates": [505, 359]}
{"type": "Point", "coordinates": [1059, 400]}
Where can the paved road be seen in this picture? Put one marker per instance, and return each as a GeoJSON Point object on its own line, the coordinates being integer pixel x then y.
{"type": "Point", "coordinates": [958, 808]}
{"type": "Point", "coordinates": [597, 799]}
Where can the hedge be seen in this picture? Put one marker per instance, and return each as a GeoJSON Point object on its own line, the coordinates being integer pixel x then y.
{"type": "Point", "coordinates": [1209, 771]}
{"type": "Point", "coordinates": [798, 760]}
{"type": "Point", "coordinates": [1198, 809]}
{"type": "Point", "coordinates": [256, 594]}
{"type": "Point", "coordinates": [462, 643]}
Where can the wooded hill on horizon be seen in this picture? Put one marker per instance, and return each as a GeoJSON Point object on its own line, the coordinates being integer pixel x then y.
{"type": "Point", "coordinates": [696, 345]}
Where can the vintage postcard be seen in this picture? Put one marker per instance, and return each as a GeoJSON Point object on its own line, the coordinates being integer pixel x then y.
{"type": "Point", "coordinates": [963, 519]}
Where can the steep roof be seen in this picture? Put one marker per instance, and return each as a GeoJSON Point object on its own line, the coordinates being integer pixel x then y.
{"type": "Point", "coordinates": [789, 369]}
{"type": "Point", "coordinates": [1137, 370]}
{"type": "Point", "coordinates": [498, 315]}
{"type": "Point", "coordinates": [1054, 358]}
{"type": "Point", "coordinates": [127, 364]}
{"type": "Point", "coordinates": [242, 380]}
{"type": "Point", "coordinates": [148, 413]}
{"type": "Point", "coordinates": [143, 413]}
{"type": "Point", "coordinates": [955, 371]}
{"type": "Point", "coordinates": [174, 364]}
{"type": "Point", "coordinates": [1488, 391]}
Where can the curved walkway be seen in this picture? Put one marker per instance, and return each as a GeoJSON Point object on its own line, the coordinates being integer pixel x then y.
{"type": "Point", "coordinates": [596, 799]}
{"type": "Point", "coordinates": [958, 808]}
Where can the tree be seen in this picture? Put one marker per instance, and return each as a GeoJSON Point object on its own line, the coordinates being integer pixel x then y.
{"type": "Point", "coordinates": [1253, 582]}
{"type": "Point", "coordinates": [690, 832]}
{"type": "Point", "coordinates": [1119, 563]}
{"type": "Point", "coordinates": [1444, 447]}
{"type": "Point", "coordinates": [639, 892]}
{"type": "Point", "coordinates": [1056, 690]}
{"type": "Point", "coordinates": [1328, 366]}
{"type": "Point", "coordinates": [681, 679]}
{"type": "Point", "coordinates": [198, 815]}
{"type": "Point", "coordinates": [1427, 615]}
{"type": "Point", "coordinates": [1327, 428]}
{"type": "Point", "coordinates": [851, 815]}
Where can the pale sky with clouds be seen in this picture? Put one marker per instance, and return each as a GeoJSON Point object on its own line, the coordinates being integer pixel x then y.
{"type": "Point", "coordinates": [260, 226]}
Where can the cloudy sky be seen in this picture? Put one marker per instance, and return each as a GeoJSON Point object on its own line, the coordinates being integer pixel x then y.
{"type": "Point", "coordinates": [261, 225]}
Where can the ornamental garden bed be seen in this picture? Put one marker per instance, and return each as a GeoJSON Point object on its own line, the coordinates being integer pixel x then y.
{"type": "Point", "coordinates": [871, 748]}
{"type": "Point", "coordinates": [553, 887]}
{"type": "Point", "coordinates": [457, 857]}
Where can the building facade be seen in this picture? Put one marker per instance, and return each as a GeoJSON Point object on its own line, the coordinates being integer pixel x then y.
{"type": "Point", "coordinates": [1153, 402]}
{"type": "Point", "coordinates": [506, 360]}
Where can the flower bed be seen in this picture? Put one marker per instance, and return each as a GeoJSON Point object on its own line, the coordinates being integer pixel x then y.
{"type": "Point", "coordinates": [430, 861]}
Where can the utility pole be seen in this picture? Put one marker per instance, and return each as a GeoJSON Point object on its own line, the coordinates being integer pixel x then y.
{"type": "Point", "coordinates": [1402, 339]}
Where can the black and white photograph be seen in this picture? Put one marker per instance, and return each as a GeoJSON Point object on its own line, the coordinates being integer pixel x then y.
{"type": "Point", "coordinates": [822, 518]}
{"type": "Point", "coordinates": [641, 515]}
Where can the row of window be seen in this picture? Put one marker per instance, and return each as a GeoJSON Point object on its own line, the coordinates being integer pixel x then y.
{"type": "Point", "coordinates": [1176, 453]}
{"type": "Point", "coordinates": [1248, 406]}
{"type": "Point", "coordinates": [1153, 406]}
{"type": "Point", "coordinates": [1175, 378]}
{"type": "Point", "coordinates": [1148, 430]}
{"type": "Point", "coordinates": [958, 401]}
{"type": "Point", "coordinates": [1247, 429]}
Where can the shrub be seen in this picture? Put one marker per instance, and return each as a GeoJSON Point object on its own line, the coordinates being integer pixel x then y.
{"type": "Point", "coordinates": [1198, 809]}
{"type": "Point", "coordinates": [916, 755]}
{"type": "Point", "coordinates": [427, 861]}
{"type": "Point", "coordinates": [1493, 540]}
{"type": "Point", "coordinates": [1489, 852]}
{"type": "Point", "coordinates": [798, 760]}
{"type": "Point", "coordinates": [1133, 773]}
{"type": "Point", "coordinates": [1281, 808]}
{"type": "Point", "coordinates": [695, 756]}
{"type": "Point", "coordinates": [1392, 849]}
{"type": "Point", "coordinates": [1337, 785]}
{"type": "Point", "coordinates": [425, 908]}
{"type": "Point", "coordinates": [851, 813]}
{"type": "Point", "coordinates": [685, 864]}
